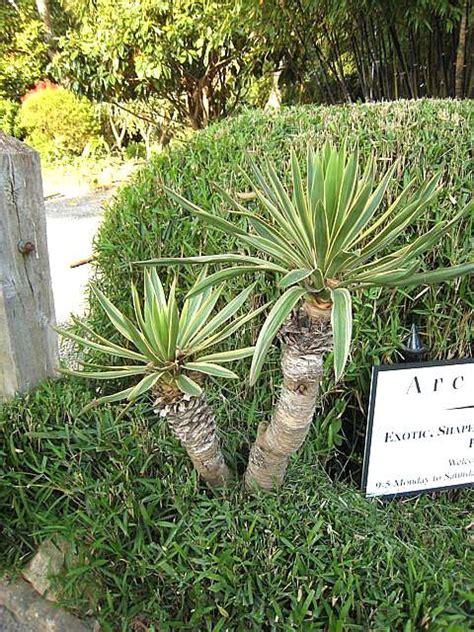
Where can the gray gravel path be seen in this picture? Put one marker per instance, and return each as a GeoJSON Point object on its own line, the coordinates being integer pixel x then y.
{"type": "Point", "coordinates": [72, 223]}
{"type": "Point", "coordinates": [9, 623]}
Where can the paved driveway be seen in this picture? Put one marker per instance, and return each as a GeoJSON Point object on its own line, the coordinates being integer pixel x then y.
{"type": "Point", "coordinates": [71, 225]}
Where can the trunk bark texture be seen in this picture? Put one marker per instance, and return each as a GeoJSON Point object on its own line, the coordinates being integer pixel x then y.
{"type": "Point", "coordinates": [43, 9]}
{"type": "Point", "coordinates": [305, 338]}
{"type": "Point", "coordinates": [461, 55]}
{"type": "Point", "coordinates": [192, 422]}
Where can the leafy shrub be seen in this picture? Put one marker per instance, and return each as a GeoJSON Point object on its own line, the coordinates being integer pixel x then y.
{"type": "Point", "coordinates": [426, 136]}
{"type": "Point", "coordinates": [135, 150]}
{"type": "Point", "coordinates": [8, 113]}
{"type": "Point", "coordinates": [23, 49]}
{"type": "Point", "coordinates": [57, 122]}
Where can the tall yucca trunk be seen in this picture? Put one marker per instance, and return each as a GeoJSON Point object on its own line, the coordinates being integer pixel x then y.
{"type": "Point", "coordinates": [192, 422]}
{"type": "Point", "coordinates": [305, 338]}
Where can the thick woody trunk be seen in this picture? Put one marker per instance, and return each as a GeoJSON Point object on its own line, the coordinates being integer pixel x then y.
{"type": "Point", "coordinates": [461, 54]}
{"type": "Point", "coordinates": [305, 338]}
{"type": "Point", "coordinates": [192, 422]}
{"type": "Point", "coordinates": [43, 9]}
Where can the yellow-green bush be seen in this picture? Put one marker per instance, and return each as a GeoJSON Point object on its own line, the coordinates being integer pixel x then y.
{"type": "Point", "coordinates": [8, 113]}
{"type": "Point", "coordinates": [57, 122]}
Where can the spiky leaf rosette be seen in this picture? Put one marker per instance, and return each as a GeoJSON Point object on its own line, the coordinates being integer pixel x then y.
{"type": "Point", "coordinates": [325, 239]}
{"type": "Point", "coordinates": [169, 349]}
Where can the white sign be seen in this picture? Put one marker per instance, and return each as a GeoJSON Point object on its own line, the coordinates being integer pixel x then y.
{"type": "Point", "coordinates": [420, 434]}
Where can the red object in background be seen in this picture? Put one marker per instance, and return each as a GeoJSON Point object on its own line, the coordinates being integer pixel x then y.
{"type": "Point", "coordinates": [41, 85]}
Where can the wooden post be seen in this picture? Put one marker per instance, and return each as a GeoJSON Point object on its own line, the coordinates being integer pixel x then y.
{"type": "Point", "coordinates": [28, 345]}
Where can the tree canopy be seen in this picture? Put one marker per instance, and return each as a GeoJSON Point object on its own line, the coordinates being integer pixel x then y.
{"type": "Point", "coordinates": [195, 54]}
{"type": "Point", "coordinates": [205, 57]}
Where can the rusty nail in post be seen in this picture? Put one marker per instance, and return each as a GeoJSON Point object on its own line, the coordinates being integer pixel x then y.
{"type": "Point", "coordinates": [26, 247]}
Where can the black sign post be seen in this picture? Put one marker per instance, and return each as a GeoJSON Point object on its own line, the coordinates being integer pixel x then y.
{"type": "Point", "coordinates": [413, 349]}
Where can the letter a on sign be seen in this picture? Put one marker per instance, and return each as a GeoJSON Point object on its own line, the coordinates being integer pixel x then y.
{"type": "Point", "coordinates": [414, 386]}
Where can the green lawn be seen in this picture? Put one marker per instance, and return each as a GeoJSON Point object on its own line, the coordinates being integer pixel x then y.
{"type": "Point", "coordinates": [151, 542]}
{"type": "Point", "coordinates": [153, 545]}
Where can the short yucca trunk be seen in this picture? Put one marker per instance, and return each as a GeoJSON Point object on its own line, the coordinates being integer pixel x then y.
{"type": "Point", "coordinates": [305, 338]}
{"type": "Point", "coordinates": [192, 422]}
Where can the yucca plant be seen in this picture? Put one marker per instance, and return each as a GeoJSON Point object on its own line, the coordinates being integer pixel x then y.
{"type": "Point", "coordinates": [323, 239]}
{"type": "Point", "coordinates": [170, 352]}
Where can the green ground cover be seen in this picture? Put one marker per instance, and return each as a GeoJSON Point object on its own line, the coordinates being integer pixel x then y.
{"type": "Point", "coordinates": [154, 545]}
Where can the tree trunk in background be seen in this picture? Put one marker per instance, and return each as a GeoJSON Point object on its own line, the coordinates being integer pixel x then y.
{"type": "Point", "coordinates": [274, 99]}
{"type": "Point", "coordinates": [305, 337]}
{"type": "Point", "coordinates": [461, 54]}
{"type": "Point", "coordinates": [42, 7]}
{"type": "Point", "coordinates": [192, 422]}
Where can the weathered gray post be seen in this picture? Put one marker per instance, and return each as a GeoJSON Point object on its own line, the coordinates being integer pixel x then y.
{"type": "Point", "coordinates": [28, 345]}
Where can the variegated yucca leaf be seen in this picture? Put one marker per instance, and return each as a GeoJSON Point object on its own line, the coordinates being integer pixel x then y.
{"type": "Point", "coordinates": [168, 346]}
{"type": "Point", "coordinates": [326, 236]}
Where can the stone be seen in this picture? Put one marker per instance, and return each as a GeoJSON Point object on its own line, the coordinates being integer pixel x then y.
{"type": "Point", "coordinates": [9, 623]}
{"type": "Point", "coordinates": [22, 609]}
{"type": "Point", "coordinates": [46, 564]}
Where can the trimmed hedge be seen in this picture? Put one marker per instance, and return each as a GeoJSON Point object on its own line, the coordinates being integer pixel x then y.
{"type": "Point", "coordinates": [425, 136]}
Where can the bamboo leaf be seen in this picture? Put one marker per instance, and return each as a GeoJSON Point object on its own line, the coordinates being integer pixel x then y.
{"type": "Point", "coordinates": [227, 356]}
{"type": "Point", "coordinates": [294, 276]}
{"type": "Point", "coordinates": [275, 319]}
{"type": "Point", "coordinates": [229, 329]}
{"type": "Point", "coordinates": [188, 386]}
{"type": "Point", "coordinates": [110, 349]}
{"type": "Point", "coordinates": [144, 385]}
{"type": "Point", "coordinates": [341, 321]}
{"type": "Point", "coordinates": [115, 397]}
{"type": "Point", "coordinates": [201, 259]}
{"type": "Point", "coordinates": [434, 276]}
{"type": "Point", "coordinates": [113, 374]}
{"type": "Point", "coordinates": [210, 369]}
{"type": "Point", "coordinates": [120, 322]}
{"type": "Point", "coordinates": [229, 273]}
{"type": "Point", "coordinates": [221, 317]}
{"type": "Point", "coordinates": [214, 220]}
